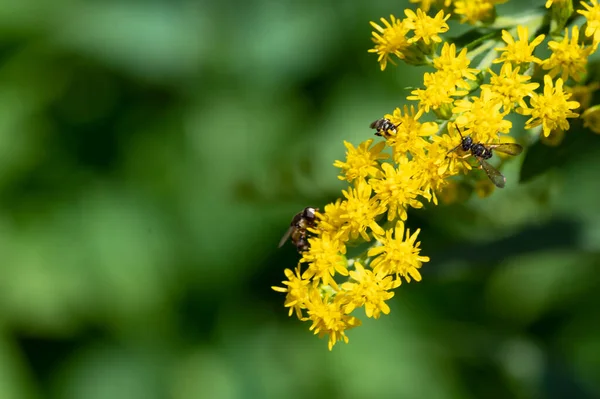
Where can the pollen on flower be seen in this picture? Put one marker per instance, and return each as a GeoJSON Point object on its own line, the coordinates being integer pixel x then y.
{"type": "Point", "coordinates": [399, 254]}
{"type": "Point", "coordinates": [297, 291]}
{"type": "Point", "coordinates": [369, 290]}
{"type": "Point", "coordinates": [389, 40]}
{"type": "Point", "coordinates": [328, 316]}
{"type": "Point", "coordinates": [519, 52]}
{"type": "Point", "coordinates": [510, 86]}
{"type": "Point", "coordinates": [481, 117]}
{"type": "Point", "coordinates": [361, 162]}
{"type": "Point", "coordinates": [438, 92]}
{"type": "Point", "coordinates": [424, 27]}
{"type": "Point", "coordinates": [550, 109]}
{"type": "Point", "coordinates": [325, 258]}
{"type": "Point", "coordinates": [568, 57]}
{"type": "Point", "coordinates": [361, 210]}
{"type": "Point", "coordinates": [398, 189]}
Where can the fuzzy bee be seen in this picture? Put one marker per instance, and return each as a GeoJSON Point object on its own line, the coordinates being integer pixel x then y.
{"type": "Point", "coordinates": [298, 229]}
{"type": "Point", "coordinates": [383, 126]}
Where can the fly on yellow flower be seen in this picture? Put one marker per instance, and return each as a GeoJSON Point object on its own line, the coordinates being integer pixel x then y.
{"type": "Point", "coordinates": [426, 28]}
{"type": "Point", "coordinates": [369, 290]}
{"type": "Point", "coordinates": [389, 40]}
{"type": "Point", "coordinates": [361, 162]}
{"type": "Point", "coordinates": [550, 109]}
{"type": "Point", "coordinates": [519, 52]}
{"type": "Point", "coordinates": [568, 57]}
{"type": "Point", "coordinates": [592, 16]}
{"type": "Point", "coordinates": [398, 254]}
{"type": "Point", "coordinates": [510, 86]}
{"type": "Point", "coordinates": [409, 137]}
{"type": "Point", "coordinates": [328, 316]}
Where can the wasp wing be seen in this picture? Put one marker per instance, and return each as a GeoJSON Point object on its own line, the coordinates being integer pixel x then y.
{"type": "Point", "coordinates": [286, 236]}
{"type": "Point", "coordinates": [507, 148]}
{"type": "Point", "coordinates": [495, 176]}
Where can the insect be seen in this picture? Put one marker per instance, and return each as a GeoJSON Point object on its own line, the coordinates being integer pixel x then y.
{"type": "Point", "coordinates": [383, 126]}
{"type": "Point", "coordinates": [482, 152]}
{"type": "Point", "coordinates": [298, 229]}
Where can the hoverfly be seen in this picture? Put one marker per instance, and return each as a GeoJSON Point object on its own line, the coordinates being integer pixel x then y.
{"type": "Point", "coordinates": [482, 152]}
{"type": "Point", "coordinates": [383, 126]}
{"type": "Point", "coordinates": [298, 229]}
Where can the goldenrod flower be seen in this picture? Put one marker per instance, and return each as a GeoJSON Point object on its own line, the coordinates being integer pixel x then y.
{"type": "Point", "coordinates": [454, 163]}
{"type": "Point", "coordinates": [438, 92]}
{"type": "Point", "coordinates": [473, 11]}
{"type": "Point", "coordinates": [550, 109]}
{"type": "Point", "coordinates": [454, 67]}
{"type": "Point", "coordinates": [510, 86]}
{"type": "Point", "coordinates": [481, 117]}
{"type": "Point", "coordinates": [425, 27]}
{"type": "Point", "coordinates": [519, 52]}
{"type": "Point", "coordinates": [328, 317]}
{"type": "Point", "coordinates": [297, 291]}
{"type": "Point", "coordinates": [484, 188]}
{"type": "Point", "coordinates": [410, 132]}
{"type": "Point", "coordinates": [592, 16]}
{"type": "Point", "coordinates": [398, 189]}
{"type": "Point", "coordinates": [325, 259]}
{"type": "Point", "coordinates": [361, 162]}
{"type": "Point", "coordinates": [568, 57]}
{"type": "Point", "coordinates": [554, 139]}
{"type": "Point", "coordinates": [330, 221]}
{"type": "Point", "coordinates": [369, 290]}
{"type": "Point", "coordinates": [433, 170]}
{"type": "Point", "coordinates": [398, 254]}
{"type": "Point", "coordinates": [361, 211]}
{"type": "Point", "coordinates": [425, 5]}
{"type": "Point", "coordinates": [390, 40]}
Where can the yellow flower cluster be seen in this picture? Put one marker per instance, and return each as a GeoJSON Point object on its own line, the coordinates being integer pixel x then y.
{"type": "Point", "coordinates": [421, 151]}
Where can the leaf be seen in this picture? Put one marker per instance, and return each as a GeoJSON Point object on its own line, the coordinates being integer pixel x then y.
{"type": "Point", "coordinates": [475, 37]}
{"type": "Point", "coordinates": [540, 158]}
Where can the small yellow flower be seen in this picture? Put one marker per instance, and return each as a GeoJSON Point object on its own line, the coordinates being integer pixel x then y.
{"type": "Point", "coordinates": [361, 211]}
{"type": "Point", "coordinates": [592, 16]}
{"type": "Point", "coordinates": [328, 317]}
{"type": "Point", "coordinates": [438, 92]}
{"type": "Point", "coordinates": [325, 258]}
{"type": "Point", "coordinates": [398, 255]}
{"type": "Point", "coordinates": [390, 40]}
{"type": "Point", "coordinates": [369, 290]}
{"type": "Point", "coordinates": [519, 52]}
{"type": "Point", "coordinates": [484, 188]}
{"type": "Point", "coordinates": [481, 117]}
{"type": "Point", "coordinates": [425, 27]}
{"type": "Point", "coordinates": [398, 189]}
{"type": "Point", "coordinates": [455, 66]}
{"type": "Point", "coordinates": [554, 139]}
{"type": "Point", "coordinates": [591, 118]}
{"type": "Point", "coordinates": [425, 5]}
{"type": "Point", "coordinates": [433, 171]}
{"type": "Point", "coordinates": [297, 291]}
{"type": "Point", "coordinates": [473, 11]}
{"type": "Point", "coordinates": [330, 221]}
{"type": "Point", "coordinates": [568, 57]}
{"type": "Point", "coordinates": [510, 86]}
{"type": "Point", "coordinates": [550, 109]}
{"type": "Point", "coordinates": [361, 162]}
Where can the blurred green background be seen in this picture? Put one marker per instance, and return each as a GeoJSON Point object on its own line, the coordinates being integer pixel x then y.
{"type": "Point", "coordinates": [152, 153]}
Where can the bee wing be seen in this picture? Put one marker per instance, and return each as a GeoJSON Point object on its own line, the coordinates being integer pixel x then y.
{"type": "Point", "coordinates": [286, 236]}
{"type": "Point", "coordinates": [507, 148]}
{"type": "Point", "coordinates": [495, 176]}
